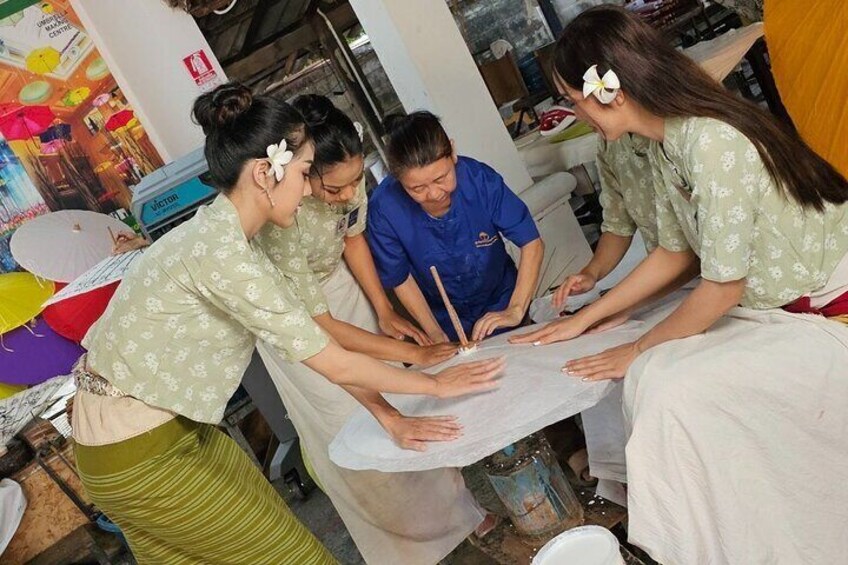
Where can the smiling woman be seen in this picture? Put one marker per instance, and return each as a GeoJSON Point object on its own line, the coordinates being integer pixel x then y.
{"type": "Point", "coordinates": [453, 213]}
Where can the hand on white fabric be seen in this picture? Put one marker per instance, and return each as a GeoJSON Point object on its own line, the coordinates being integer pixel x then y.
{"type": "Point", "coordinates": [609, 323]}
{"type": "Point", "coordinates": [574, 284]}
{"type": "Point", "coordinates": [436, 335]}
{"type": "Point", "coordinates": [414, 433]}
{"type": "Point", "coordinates": [610, 364]}
{"type": "Point", "coordinates": [394, 325]}
{"type": "Point", "coordinates": [468, 378]}
{"type": "Point", "coordinates": [430, 355]}
{"type": "Point", "coordinates": [558, 330]}
{"type": "Point", "coordinates": [491, 321]}
{"type": "Point", "coordinates": [128, 241]}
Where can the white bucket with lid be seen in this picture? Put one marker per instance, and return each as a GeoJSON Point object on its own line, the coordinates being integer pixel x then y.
{"type": "Point", "coordinates": [586, 545]}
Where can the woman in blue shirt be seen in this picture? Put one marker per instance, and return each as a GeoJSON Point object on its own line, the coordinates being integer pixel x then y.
{"type": "Point", "coordinates": [453, 213]}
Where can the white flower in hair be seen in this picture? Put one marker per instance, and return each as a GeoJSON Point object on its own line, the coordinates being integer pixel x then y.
{"type": "Point", "coordinates": [604, 89]}
{"type": "Point", "coordinates": [279, 157]}
{"type": "Point", "coordinates": [360, 131]}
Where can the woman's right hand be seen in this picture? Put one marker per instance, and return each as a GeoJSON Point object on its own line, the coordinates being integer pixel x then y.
{"type": "Point", "coordinates": [468, 378]}
{"type": "Point", "coordinates": [430, 355]}
{"type": "Point", "coordinates": [414, 433]}
{"type": "Point", "coordinates": [574, 284]}
{"type": "Point", "coordinates": [558, 330]}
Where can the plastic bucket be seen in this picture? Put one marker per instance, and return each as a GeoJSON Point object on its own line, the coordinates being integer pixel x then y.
{"type": "Point", "coordinates": [586, 545]}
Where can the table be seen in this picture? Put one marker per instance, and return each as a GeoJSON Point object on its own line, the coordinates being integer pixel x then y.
{"type": "Point", "coordinates": [543, 158]}
{"type": "Point", "coordinates": [721, 55]}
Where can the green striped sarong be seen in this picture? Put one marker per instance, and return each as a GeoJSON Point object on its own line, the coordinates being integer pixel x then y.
{"type": "Point", "coordinates": [186, 493]}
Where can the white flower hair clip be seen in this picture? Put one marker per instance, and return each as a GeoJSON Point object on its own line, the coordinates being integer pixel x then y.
{"type": "Point", "coordinates": [279, 157]}
{"type": "Point", "coordinates": [360, 131]}
{"type": "Point", "coordinates": [605, 89]}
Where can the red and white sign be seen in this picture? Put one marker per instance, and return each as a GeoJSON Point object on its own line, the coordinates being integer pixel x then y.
{"type": "Point", "coordinates": [201, 70]}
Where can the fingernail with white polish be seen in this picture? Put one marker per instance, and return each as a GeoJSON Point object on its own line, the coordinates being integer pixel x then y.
{"type": "Point", "coordinates": [536, 343]}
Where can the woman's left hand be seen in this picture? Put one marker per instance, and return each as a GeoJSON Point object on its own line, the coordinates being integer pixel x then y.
{"type": "Point", "coordinates": [486, 325]}
{"type": "Point", "coordinates": [394, 325]}
{"type": "Point", "coordinates": [128, 241]}
{"type": "Point", "coordinates": [610, 364]}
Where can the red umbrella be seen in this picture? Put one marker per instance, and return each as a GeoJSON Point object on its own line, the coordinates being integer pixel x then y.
{"type": "Point", "coordinates": [119, 119]}
{"type": "Point", "coordinates": [71, 318]}
{"type": "Point", "coordinates": [24, 122]}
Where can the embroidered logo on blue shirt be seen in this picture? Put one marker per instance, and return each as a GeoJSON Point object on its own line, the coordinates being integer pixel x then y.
{"type": "Point", "coordinates": [485, 240]}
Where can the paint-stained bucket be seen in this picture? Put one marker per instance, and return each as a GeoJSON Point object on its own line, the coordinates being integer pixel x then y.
{"type": "Point", "coordinates": [533, 488]}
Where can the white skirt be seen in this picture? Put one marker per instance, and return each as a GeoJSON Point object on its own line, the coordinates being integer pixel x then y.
{"type": "Point", "coordinates": [410, 518]}
{"type": "Point", "coordinates": [738, 451]}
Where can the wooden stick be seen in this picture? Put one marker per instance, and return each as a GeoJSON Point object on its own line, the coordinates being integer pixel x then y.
{"type": "Point", "coordinates": [112, 235]}
{"type": "Point", "coordinates": [457, 325]}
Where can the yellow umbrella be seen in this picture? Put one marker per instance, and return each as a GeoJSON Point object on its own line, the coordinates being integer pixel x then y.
{"type": "Point", "coordinates": [43, 60]}
{"type": "Point", "coordinates": [10, 390]}
{"type": "Point", "coordinates": [76, 96]}
{"type": "Point", "coordinates": [21, 297]}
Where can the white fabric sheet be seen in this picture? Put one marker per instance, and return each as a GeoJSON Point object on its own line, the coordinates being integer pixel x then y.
{"type": "Point", "coordinates": [533, 393]}
{"type": "Point", "coordinates": [739, 443]}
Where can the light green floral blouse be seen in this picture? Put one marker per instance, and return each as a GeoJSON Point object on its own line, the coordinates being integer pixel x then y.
{"type": "Point", "coordinates": [715, 194]}
{"type": "Point", "coordinates": [317, 242]}
{"type": "Point", "coordinates": [627, 188]}
{"type": "Point", "coordinates": [180, 330]}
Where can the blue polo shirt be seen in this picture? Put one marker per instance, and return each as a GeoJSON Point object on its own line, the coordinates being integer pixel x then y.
{"type": "Point", "coordinates": [466, 245]}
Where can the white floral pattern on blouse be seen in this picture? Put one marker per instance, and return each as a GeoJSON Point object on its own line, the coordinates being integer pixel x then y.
{"type": "Point", "coordinates": [181, 328]}
{"type": "Point", "coordinates": [627, 188]}
{"type": "Point", "coordinates": [714, 192]}
{"type": "Point", "coordinates": [316, 244]}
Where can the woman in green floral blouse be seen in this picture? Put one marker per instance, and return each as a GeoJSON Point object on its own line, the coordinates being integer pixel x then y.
{"type": "Point", "coordinates": [738, 441]}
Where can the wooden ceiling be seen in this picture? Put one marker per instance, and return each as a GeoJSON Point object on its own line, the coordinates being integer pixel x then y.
{"type": "Point", "coordinates": [260, 42]}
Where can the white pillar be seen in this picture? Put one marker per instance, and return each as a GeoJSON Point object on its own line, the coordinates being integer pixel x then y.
{"type": "Point", "coordinates": [144, 42]}
{"type": "Point", "coordinates": [429, 65]}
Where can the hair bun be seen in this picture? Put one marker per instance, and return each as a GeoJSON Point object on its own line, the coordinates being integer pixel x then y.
{"type": "Point", "coordinates": [222, 107]}
{"type": "Point", "coordinates": [394, 122]}
{"type": "Point", "coordinates": [314, 108]}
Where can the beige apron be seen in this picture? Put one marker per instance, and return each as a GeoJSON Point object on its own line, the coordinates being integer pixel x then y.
{"type": "Point", "coordinates": [409, 518]}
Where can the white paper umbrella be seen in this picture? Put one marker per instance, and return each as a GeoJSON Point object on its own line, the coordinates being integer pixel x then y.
{"type": "Point", "coordinates": [61, 246]}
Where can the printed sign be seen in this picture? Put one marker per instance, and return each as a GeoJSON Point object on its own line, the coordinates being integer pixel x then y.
{"type": "Point", "coordinates": [202, 71]}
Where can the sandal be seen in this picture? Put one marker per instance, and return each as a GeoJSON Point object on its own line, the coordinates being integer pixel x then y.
{"type": "Point", "coordinates": [489, 523]}
{"type": "Point", "coordinates": [577, 466]}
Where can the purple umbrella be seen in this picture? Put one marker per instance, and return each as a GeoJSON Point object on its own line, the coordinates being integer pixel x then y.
{"type": "Point", "coordinates": [37, 354]}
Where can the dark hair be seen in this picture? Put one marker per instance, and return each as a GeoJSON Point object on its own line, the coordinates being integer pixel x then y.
{"type": "Point", "coordinates": [240, 127]}
{"type": "Point", "coordinates": [668, 84]}
{"type": "Point", "coordinates": [333, 133]}
{"type": "Point", "coordinates": [415, 140]}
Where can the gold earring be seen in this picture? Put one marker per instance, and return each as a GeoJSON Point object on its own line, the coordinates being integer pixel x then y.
{"type": "Point", "coordinates": [271, 200]}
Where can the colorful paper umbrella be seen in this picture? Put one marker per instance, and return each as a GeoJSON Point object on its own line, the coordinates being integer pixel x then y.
{"type": "Point", "coordinates": [71, 318]}
{"type": "Point", "coordinates": [32, 355]}
{"type": "Point", "coordinates": [21, 297]}
{"type": "Point", "coordinates": [808, 51]}
{"type": "Point", "coordinates": [76, 96]}
{"type": "Point", "coordinates": [43, 60]}
{"type": "Point", "coordinates": [10, 390]}
{"type": "Point", "coordinates": [97, 69]}
{"type": "Point", "coordinates": [24, 122]}
{"type": "Point", "coordinates": [119, 119]}
{"type": "Point", "coordinates": [36, 92]}
{"type": "Point", "coordinates": [60, 246]}
{"type": "Point", "coordinates": [101, 99]}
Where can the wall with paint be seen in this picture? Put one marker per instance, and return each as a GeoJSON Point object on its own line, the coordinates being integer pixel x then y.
{"type": "Point", "coordinates": [68, 138]}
